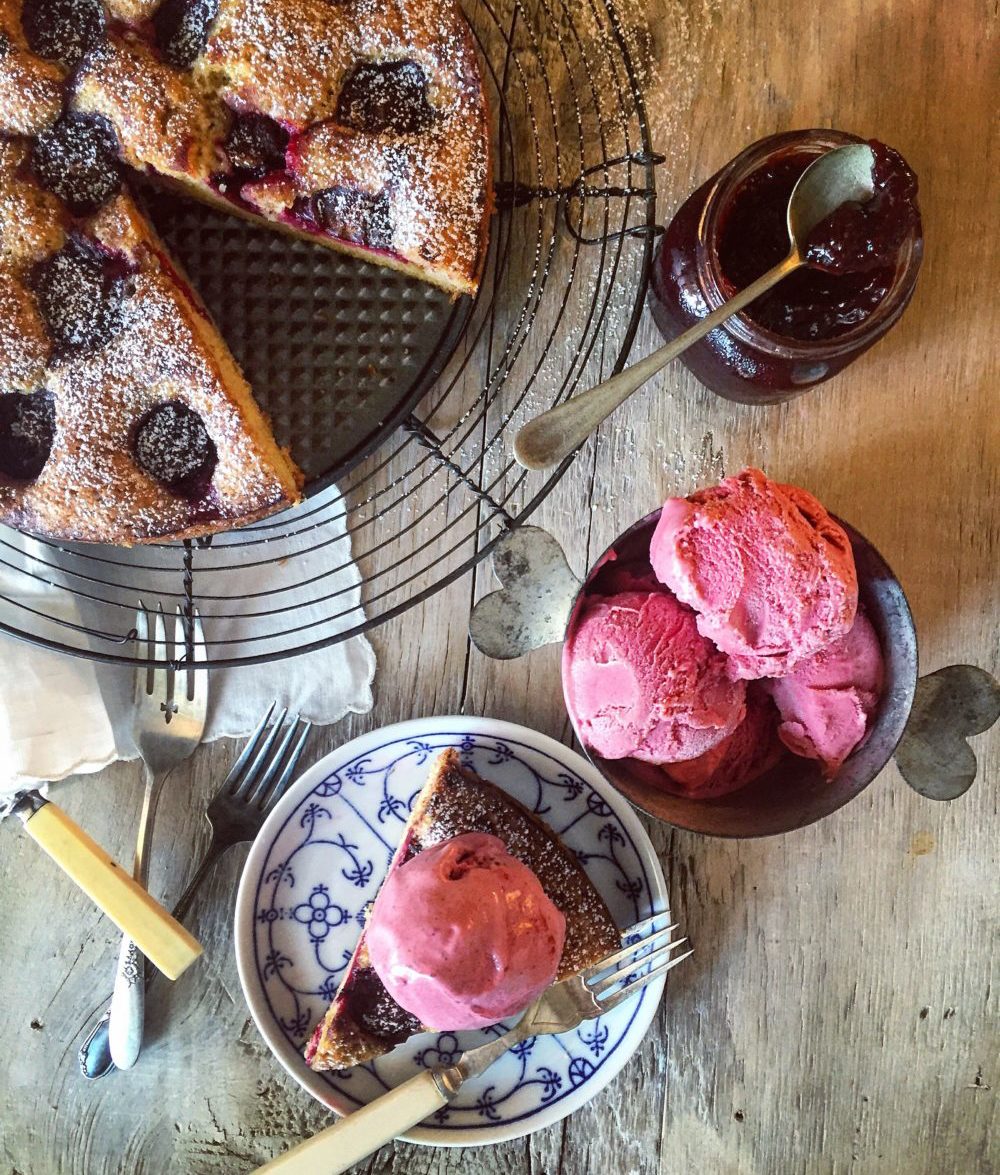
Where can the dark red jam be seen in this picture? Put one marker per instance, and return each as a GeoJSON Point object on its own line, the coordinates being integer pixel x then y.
{"type": "Point", "coordinates": [863, 262]}
{"type": "Point", "coordinates": [866, 236]}
{"type": "Point", "coordinates": [852, 254]}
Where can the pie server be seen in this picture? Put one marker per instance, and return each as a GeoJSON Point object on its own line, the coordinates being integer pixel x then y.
{"type": "Point", "coordinates": [159, 936]}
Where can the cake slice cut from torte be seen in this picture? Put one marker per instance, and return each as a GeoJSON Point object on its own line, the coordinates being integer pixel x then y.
{"type": "Point", "coordinates": [364, 1021]}
{"type": "Point", "coordinates": [123, 416]}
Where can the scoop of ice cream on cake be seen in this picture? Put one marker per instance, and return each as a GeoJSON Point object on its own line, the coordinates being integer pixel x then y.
{"type": "Point", "coordinates": [769, 572]}
{"type": "Point", "coordinates": [463, 934]}
{"type": "Point", "coordinates": [828, 700]}
{"type": "Point", "coordinates": [642, 681]}
{"type": "Point", "coordinates": [752, 749]}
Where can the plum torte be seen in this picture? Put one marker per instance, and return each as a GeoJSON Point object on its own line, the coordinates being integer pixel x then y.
{"type": "Point", "coordinates": [362, 125]}
{"type": "Point", "coordinates": [364, 1021]}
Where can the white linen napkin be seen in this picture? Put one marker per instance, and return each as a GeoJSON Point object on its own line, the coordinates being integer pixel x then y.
{"type": "Point", "coordinates": [63, 715]}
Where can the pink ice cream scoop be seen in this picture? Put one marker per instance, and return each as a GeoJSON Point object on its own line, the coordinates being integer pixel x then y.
{"type": "Point", "coordinates": [746, 754]}
{"type": "Point", "coordinates": [642, 681]}
{"type": "Point", "coordinates": [769, 572]}
{"type": "Point", "coordinates": [826, 703]}
{"type": "Point", "coordinates": [463, 934]}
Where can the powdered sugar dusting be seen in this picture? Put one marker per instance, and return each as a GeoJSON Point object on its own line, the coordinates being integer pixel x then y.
{"type": "Point", "coordinates": [92, 487]}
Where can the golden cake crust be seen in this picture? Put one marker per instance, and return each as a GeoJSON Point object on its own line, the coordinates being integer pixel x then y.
{"type": "Point", "coordinates": [91, 487]}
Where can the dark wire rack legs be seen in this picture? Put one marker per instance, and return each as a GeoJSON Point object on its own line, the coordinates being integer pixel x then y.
{"type": "Point", "coordinates": [346, 357]}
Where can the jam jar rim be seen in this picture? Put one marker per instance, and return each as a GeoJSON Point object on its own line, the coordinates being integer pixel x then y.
{"type": "Point", "coordinates": [741, 325]}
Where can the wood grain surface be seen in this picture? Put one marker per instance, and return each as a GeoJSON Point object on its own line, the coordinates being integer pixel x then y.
{"type": "Point", "coordinates": [841, 1011]}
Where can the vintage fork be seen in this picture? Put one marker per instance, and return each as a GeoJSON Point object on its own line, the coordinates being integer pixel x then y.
{"type": "Point", "coordinates": [561, 1008]}
{"type": "Point", "coordinates": [258, 779]}
{"type": "Point", "coordinates": [167, 724]}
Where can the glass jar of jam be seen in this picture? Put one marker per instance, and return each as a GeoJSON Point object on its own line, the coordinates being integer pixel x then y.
{"type": "Point", "coordinates": [815, 321]}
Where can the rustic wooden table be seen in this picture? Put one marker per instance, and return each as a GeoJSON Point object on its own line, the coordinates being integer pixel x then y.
{"type": "Point", "coordinates": [840, 1011]}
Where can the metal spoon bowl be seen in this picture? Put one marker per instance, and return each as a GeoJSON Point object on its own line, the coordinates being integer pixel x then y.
{"type": "Point", "coordinates": [834, 179]}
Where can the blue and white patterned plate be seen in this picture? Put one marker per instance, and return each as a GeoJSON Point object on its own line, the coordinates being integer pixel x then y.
{"type": "Point", "coordinates": [320, 859]}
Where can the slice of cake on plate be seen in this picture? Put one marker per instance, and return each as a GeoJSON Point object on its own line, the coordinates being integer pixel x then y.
{"type": "Point", "coordinates": [364, 1020]}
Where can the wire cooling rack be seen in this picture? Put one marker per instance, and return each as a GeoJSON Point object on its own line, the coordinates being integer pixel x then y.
{"type": "Point", "coordinates": [565, 279]}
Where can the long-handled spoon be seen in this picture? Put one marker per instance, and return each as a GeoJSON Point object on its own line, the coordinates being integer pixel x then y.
{"type": "Point", "coordinates": [841, 175]}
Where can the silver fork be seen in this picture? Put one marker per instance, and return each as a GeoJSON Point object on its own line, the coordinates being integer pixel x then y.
{"type": "Point", "coordinates": [257, 780]}
{"type": "Point", "coordinates": [167, 725]}
{"type": "Point", "coordinates": [561, 1008]}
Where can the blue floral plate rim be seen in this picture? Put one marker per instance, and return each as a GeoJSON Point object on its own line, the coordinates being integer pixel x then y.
{"type": "Point", "coordinates": [529, 1103]}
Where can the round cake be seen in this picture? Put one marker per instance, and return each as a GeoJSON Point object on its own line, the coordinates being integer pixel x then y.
{"type": "Point", "coordinates": [360, 125]}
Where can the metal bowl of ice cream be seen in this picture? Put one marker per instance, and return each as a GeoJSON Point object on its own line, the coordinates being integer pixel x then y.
{"type": "Point", "coordinates": [794, 792]}
{"type": "Point", "coordinates": [923, 722]}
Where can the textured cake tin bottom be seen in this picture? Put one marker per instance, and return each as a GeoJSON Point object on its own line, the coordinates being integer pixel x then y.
{"type": "Point", "coordinates": [337, 351]}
